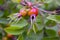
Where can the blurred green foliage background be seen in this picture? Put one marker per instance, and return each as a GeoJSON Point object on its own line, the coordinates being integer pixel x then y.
{"type": "Point", "coordinates": [44, 30]}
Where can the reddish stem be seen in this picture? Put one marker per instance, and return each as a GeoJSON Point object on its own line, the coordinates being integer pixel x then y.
{"type": "Point", "coordinates": [40, 9]}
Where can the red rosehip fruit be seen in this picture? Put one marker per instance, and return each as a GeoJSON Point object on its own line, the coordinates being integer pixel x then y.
{"type": "Point", "coordinates": [9, 35]}
{"type": "Point", "coordinates": [33, 11]}
{"type": "Point", "coordinates": [23, 12]}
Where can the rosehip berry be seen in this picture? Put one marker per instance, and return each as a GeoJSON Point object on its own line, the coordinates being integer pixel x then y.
{"type": "Point", "coordinates": [33, 11]}
{"type": "Point", "coordinates": [23, 12]}
{"type": "Point", "coordinates": [9, 35]}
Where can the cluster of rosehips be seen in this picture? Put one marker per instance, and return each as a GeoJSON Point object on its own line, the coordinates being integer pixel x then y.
{"type": "Point", "coordinates": [30, 11]}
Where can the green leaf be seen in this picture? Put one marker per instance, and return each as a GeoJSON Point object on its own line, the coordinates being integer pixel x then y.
{"type": "Point", "coordinates": [38, 19]}
{"type": "Point", "coordinates": [21, 23]}
{"type": "Point", "coordinates": [57, 2]}
{"type": "Point", "coordinates": [13, 7]}
{"type": "Point", "coordinates": [49, 4]}
{"type": "Point", "coordinates": [6, 13]}
{"type": "Point", "coordinates": [47, 1]}
{"type": "Point", "coordinates": [3, 21]}
{"type": "Point", "coordinates": [55, 28]}
{"type": "Point", "coordinates": [39, 23]}
{"type": "Point", "coordinates": [35, 29]}
{"type": "Point", "coordinates": [16, 1]}
{"type": "Point", "coordinates": [54, 18]}
{"type": "Point", "coordinates": [33, 36]}
{"type": "Point", "coordinates": [14, 30]}
{"type": "Point", "coordinates": [50, 32]}
{"type": "Point", "coordinates": [50, 38]}
{"type": "Point", "coordinates": [20, 37]}
{"type": "Point", "coordinates": [12, 16]}
{"type": "Point", "coordinates": [1, 2]}
{"type": "Point", "coordinates": [50, 23]}
{"type": "Point", "coordinates": [19, 6]}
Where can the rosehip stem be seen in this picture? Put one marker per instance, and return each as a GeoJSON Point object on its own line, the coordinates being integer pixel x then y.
{"type": "Point", "coordinates": [40, 9]}
{"type": "Point", "coordinates": [41, 13]}
{"type": "Point", "coordinates": [46, 11]}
